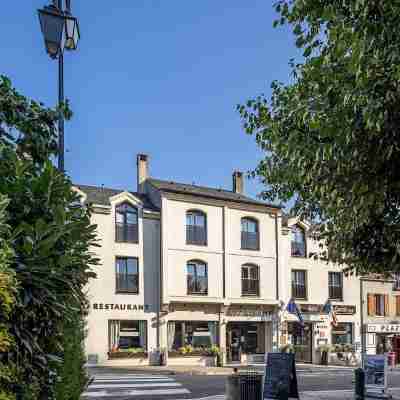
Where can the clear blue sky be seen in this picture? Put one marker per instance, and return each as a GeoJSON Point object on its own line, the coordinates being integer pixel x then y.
{"type": "Point", "coordinates": [161, 77]}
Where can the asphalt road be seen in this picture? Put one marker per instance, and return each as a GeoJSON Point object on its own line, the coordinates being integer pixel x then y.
{"type": "Point", "coordinates": [117, 384]}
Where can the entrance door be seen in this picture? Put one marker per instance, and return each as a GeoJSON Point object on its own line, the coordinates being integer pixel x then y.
{"type": "Point", "coordinates": [302, 338]}
{"type": "Point", "coordinates": [235, 344]}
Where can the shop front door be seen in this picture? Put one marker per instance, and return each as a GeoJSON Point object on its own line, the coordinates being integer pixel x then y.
{"type": "Point", "coordinates": [235, 345]}
{"type": "Point", "coordinates": [302, 338]}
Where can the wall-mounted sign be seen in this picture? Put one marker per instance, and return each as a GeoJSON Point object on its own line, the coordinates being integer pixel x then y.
{"type": "Point", "coordinates": [383, 328]}
{"type": "Point", "coordinates": [123, 307]}
{"type": "Point", "coordinates": [341, 309]}
{"type": "Point", "coordinates": [246, 312]}
{"type": "Point", "coordinates": [311, 308]}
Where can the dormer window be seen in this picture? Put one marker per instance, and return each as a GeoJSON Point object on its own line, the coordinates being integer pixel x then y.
{"type": "Point", "coordinates": [298, 241]}
{"type": "Point", "coordinates": [250, 234]}
{"type": "Point", "coordinates": [126, 223]}
{"type": "Point", "coordinates": [196, 228]}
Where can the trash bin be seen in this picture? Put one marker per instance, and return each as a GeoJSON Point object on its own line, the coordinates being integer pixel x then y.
{"type": "Point", "coordinates": [391, 358]}
{"type": "Point", "coordinates": [244, 386]}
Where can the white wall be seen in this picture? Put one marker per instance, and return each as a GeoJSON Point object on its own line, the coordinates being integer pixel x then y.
{"type": "Point", "coordinates": [103, 288]}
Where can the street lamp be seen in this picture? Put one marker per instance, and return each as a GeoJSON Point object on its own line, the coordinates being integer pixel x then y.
{"type": "Point", "coordinates": [60, 32]}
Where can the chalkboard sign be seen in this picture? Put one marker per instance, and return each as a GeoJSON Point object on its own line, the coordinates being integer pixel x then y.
{"type": "Point", "coordinates": [280, 374]}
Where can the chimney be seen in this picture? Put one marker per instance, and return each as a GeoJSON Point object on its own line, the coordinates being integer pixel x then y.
{"type": "Point", "coordinates": [142, 171]}
{"type": "Point", "coordinates": [238, 184]}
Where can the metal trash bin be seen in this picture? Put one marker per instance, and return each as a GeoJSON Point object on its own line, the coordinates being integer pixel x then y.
{"type": "Point", "coordinates": [247, 385]}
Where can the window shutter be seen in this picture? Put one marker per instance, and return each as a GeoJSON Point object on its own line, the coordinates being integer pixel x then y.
{"type": "Point", "coordinates": [397, 305]}
{"type": "Point", "coordinates": [393, 306]}
{"type": "Point", "coordinates": [371, 304]}
{"type": "Point", "coordinates": [386, 301]}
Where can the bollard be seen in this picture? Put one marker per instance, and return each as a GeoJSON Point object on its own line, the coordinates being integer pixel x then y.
{"type": "Point", "coordinates": [359, 384]}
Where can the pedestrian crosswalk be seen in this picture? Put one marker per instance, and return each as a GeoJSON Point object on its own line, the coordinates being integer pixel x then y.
{"type": "Point", "coordinates": [133, 386]}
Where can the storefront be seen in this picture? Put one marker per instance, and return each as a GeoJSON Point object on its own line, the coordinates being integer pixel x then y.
{"type": "Point", "coordinates": [120, 331]}
{"type": "Point", "coordinates": [317, 331]}
{"type": "Point", "coordinates": [383, 338]}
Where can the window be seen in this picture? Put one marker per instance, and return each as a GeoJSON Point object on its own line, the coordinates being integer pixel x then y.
{"type": "Point", "coordinates": [250, 234]}
{"type": "Point", "coordinates": [342, 333]}
{"type": "Point", "coordinates": [127, 275]}
{"type": "Point", "coordinates": [199, 335]}
{"type": "Point", "coordinates": [298, 241]}
{"type": "Point", "coordinates": [250, 280]}
{"type": "Point", "coordinates": [396, 283]}
{"type": "Point", "coordinates": [127, 334]}
{"type": "Point", "coordinates": [299, 286]}
{"type": "Point", "coordinates": [197, 282]}
{"type": "Point", "coordinates": [196, 228]}
{"type": "Point", "coordinates": [126, 223]}
{"type": "Point", "coordinates": [335, 283]}
{"type": "Point", "coordinates": [378, 304]}
{"type": "Point", "coordinates": [397, 306]}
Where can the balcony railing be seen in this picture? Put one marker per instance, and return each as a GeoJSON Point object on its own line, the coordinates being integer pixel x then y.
{"type": "Point", "coordinates": [196, 235]}
{"type": "Point", "coordinates": [126, 233]}
{"type": "Point", "coordinates": [250, 241]}
{"type": "Point", "coordinates": [298, 249]}
{"type": "Point", "coordinates": [197, 286]}
{"type": "Point", "coordinates": [299, 291]}
{"type": "Point", "coordinates": [250, 287]}
{"type": "Point", "coordinates": [336, 292]}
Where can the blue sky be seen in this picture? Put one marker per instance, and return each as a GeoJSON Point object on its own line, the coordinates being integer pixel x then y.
{"type": "Point", "coordinates": [160, 77]}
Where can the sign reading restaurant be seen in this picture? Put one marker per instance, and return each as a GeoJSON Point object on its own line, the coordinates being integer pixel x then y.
{"type": "Point", "coordinates": [127, 307]}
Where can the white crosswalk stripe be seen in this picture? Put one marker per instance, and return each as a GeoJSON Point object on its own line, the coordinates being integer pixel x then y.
{"type": "Point", "coordinates": [132, 386]}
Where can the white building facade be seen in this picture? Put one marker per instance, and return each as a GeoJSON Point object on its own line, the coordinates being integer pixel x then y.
{"type": "Point", "coordinates": [186, 269]}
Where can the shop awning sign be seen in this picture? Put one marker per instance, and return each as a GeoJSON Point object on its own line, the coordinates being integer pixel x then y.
{"type": "Point", "coordinates": [383, 328]}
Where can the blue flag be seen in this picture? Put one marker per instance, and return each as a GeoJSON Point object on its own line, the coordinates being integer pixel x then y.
{"type": "Point", "coordinates": [292, 308]}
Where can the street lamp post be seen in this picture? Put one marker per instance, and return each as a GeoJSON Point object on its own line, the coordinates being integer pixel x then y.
{"type": "Point", "coordinates": [60, 32]}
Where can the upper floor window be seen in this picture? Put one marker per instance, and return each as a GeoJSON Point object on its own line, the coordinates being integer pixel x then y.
{"type": "Point", "coordinates": [197, 280]}
{"type": "Point", "coordinates": [196, 228]}
{"type": "Point", "coordinates": [396, 283]}
{"type": "Point", "coordinates": [299, 284]}
{"type": "Point", "coordinates": [335, 284]}
{"type": "Point", "coordinates": [250, 280]}
{"type": "Point", "coordinates": [378, 304]}
{"type": "Point", "coordinates": [298, 241]}
{"type": "Point", "coordinates": [250, 234]}
{"type": "Point", "coordinates": [127, 275]}
{"type": "Point", "coordinates": [126, 223]}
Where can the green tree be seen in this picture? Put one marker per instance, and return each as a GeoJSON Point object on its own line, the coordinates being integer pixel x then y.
{"type": "Point", "coordinates": [331, 137]}
{"type": "Point", "coordinates": [51, 237]}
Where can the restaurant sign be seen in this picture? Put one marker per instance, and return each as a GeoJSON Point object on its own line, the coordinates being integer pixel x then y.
{"type": "Point", "coordinates": [123, 307]}
{"type": "Point", "coordinates": [340, 309]}
{"type": "Point", "coordinates": [383, 328]}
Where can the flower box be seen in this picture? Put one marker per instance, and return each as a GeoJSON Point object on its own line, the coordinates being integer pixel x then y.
{"type": "Point", "coordinates": [114, 355]}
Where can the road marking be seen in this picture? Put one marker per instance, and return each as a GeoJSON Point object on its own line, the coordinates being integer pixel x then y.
{"type": "Point", "coordinates": [133, 385]}
{"type": "Point", "coordinates": [134, 379]}
{"type": "Point", "coordinates": [159, 392]}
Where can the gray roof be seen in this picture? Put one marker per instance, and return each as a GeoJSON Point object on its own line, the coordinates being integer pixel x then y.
{"type": "Point", "coordinates": [101, 196]}
{"type": "Point", "coordinates": [220, 194]}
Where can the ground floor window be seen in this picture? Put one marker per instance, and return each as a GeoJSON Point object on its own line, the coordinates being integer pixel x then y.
{"type": "Point", "coordinates": [127, 335]}
{"type": "Point", "coordinates": [342, 333]}
{"type": "Point", "coordinates": [301, 338]}
{"type": "Point", "coordinates": [194, 334]}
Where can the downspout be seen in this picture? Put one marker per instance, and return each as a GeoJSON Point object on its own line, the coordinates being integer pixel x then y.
{"type": "Point", "coordinates": [363, 334]}
{"type": "Point", "coordinates": [224, 253]}
{"type": "Point", "coordinates": [277, 257]}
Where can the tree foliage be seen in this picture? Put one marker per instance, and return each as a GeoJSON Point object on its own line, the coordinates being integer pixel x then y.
{"type": "Point", "coordinates": [332, 136]}
{"type": "Point", "coordinates": [51, 237]}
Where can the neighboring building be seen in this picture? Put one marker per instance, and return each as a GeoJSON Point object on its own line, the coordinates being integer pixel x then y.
{"type": "Point", "coordinates": [183, 265]}
{"type": "Point", "coordinates": [311, 283]}
{"type": "Point", "coordinates": [381, 315]}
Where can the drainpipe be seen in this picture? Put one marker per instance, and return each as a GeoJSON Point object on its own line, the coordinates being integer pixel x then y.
{"type": "Point", "coordinates": [363, 337]}
{"type": "Point", "coordinates": [277, 257]}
